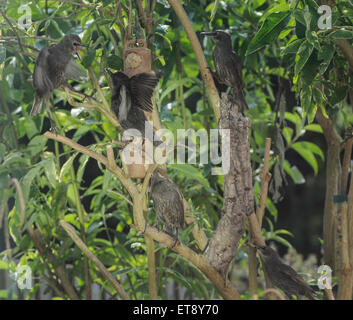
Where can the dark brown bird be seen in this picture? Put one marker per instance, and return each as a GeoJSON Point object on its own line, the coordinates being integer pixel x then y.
{"type": "Point", "coordinates": [54, 66]}
{"type": "Point", "coordinates": [228, 66]}
{"type": "Point", "coordinates": [168, 203]}
{"type": "Point", "coordinates": [283, 276]}
{"type": "Point", "coordinates": [131, 97]}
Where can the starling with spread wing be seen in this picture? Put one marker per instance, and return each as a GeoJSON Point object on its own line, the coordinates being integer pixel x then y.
{"type": "Point", "coordinates": [283, 276]}
{"type": "Point", "coordinates": [228, 66]}
{"type": "Point", "coordinates": [54, 66]}
{"type": "Point", "coordinates": [131, 97]}
{"type": "Point", "coordinates": [168, 203]}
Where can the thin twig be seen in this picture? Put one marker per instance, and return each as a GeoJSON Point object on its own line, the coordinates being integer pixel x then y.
{"type": "Point", "coordinates": [23, 45]}
{"type": "Point", "coordinates": [97, 86]}
{"type": "Point", "coordinates": [13, 29]}
{"type": "Point", "coordinates": [30, 37]}
{"type": "Point", "coordinates": [118, 172]}
{"type": "Point", "coordinates": [20, 198]}
{"type": "Point", "coordinates": [114, 282]}
{"type": "Point", "coordinates": [265, 179]}
{"type": "Point", "coordinates": [148, 177]}
{"type": "Point", "coordinates": [201, 60]}
{"type": "Point", "coordinates": [275, 292]}
{"type": "Point", "coordinates": [91, 104]}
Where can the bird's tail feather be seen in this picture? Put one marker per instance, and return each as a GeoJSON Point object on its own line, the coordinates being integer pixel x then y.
{"type": "Point", "coordinates": [37, 105]}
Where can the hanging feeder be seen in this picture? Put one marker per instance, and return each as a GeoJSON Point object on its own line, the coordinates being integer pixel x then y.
{"type": "Point", "coordinates": [137, 59]}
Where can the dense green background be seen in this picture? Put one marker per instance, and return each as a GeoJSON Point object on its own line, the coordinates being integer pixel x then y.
{"type": "Point", "coordinates": [291, 68]}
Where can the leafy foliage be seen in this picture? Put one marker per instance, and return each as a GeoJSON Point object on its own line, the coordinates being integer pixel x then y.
{"type": "Point", "coordinates": [281, 47]}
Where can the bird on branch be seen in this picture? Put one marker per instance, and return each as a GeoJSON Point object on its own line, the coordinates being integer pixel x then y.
{"type": "Point", "coordinates": [228, 67]}
{"type": "Point", "coordinates": [53, 68]}
{"type": "Point", "coordinates": [282, 275]}
{"type": "Point", "coordinates": [168, 203]}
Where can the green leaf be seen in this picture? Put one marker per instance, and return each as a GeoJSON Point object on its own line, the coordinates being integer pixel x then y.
{"type": "Point", "coordinates": [304, 52]}
{"type": "Point", "coordinates": [294, 173]}
{"type": "Point", "coordinates": [66, 166]}
{"type": "Point", "coordinates": [287, 133]}
{"type": "Point", "coordinates": [298, 14]}
{"type": "Point", "coordinates": [307, 155]}
{"type": "Point", "coordinates": [312, 4]}
{"type": "Point", "coordinates": [293, 47]}
{"type": "Point", "coordinates": [88, 58]}
{"type": "Point", "coordinates": [312, 37]}
{"type": "Point", "coordinates": [326, 53]}
{"type": "Point", "coordinates": [115, 62]}
{"type": "Point", "coordinates": [27, 180]}
{"type": "Point", "coordinates": [317, 95]}
{"type": "Point", "coordinates": [312, 147]}
{"type": "Point", "coordinates": [269, 31]}
{"type": "Point", "coordinates": [310, 69]}
{"type": "Point", "coordinates": [50, 171]}
{"type": "Point", "coordinates": [313, 127]}
{"type": "Point", "coordinates": [338, 95]}
{"type": "Point", "coordinates": [305, 98]}
{"type": "Point", "coordinates": [37, 145]}
{"type": "Point", "coordinates": [30, 127]}
{"type": "Point", "coordinates": [191, 173]}
{"type": "Point", "coordinates": [4, 265]}
{"type": "Point", "coordinates": [341, 34]}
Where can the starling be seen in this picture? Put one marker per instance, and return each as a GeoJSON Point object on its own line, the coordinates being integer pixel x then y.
{"type": "Point", "coordinates": [54, 66]}
{"type": "Point", "coordinates": [131, 97]}
{"type": "Point", "coordinates": [168, 203]}
{"type": "Point", "coordinates": [228, 66]}
{"type": "Point", "coordinates": [283, 276]}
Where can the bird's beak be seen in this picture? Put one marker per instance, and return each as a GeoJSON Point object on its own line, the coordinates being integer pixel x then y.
{"type": "Point", "coordinates": [210, 34]}
{"type": "Point", "coordinates": [108, 71]}
{"type": "Point", "coordinates": [78, 47]}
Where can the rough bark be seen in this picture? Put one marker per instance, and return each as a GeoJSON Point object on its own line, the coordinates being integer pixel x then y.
{"type": "Point", "coordinates": [333, 170]}
{"type": "Point", "coordinates": [238, 190]}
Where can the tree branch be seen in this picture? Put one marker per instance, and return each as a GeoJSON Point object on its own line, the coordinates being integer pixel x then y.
{"type": "Point", "coordinates": [238, 189]}
{"type": "Point", "coordinates": [225, 288]}
{"type": "Point", "coordinates": [115, 283]}
{"type": "Point", "coordinates": [201, 60]}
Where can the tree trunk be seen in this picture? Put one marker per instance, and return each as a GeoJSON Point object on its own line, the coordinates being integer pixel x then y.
{"type": "Point", "coordinates": [238, 190]}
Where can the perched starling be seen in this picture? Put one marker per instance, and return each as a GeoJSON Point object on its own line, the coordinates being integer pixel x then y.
{"type": "Point", "coordinates": [228, 66]}
{"type": "Point", "coordinates": [131, 97]}
{"type": "Point", "coordinates": [53, 68]}
{"type": "Point", "coordinates": [283, 276]}
{"type": "Point", "coordinates": [168, 203]}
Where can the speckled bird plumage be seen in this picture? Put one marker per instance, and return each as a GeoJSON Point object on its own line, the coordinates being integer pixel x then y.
{"type": "Point", "coordinates": [228, 66]}
{"type": "Point", "coordinates": [283, 276]}
{"type": "Point", "coordinates": [168, 203]}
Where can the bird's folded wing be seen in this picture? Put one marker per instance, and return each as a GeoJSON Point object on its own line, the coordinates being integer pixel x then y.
{"type": "Point", "coordinates": [289, 272]}
{"type": "Point", "coordinates": [239, 68]}
{"type": "Point", "coordinates": [41, 80]}
{"type": "Point", "coordinates": [74, 72]}
{"type": "Point", "coordinates": [142, 86]}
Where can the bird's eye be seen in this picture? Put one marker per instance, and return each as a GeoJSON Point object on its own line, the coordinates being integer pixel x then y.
{"type": "Point", "coordinates": [76, 43]}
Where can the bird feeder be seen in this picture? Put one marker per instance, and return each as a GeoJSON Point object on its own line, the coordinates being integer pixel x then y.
{"type": "Point", "coordinates": [137, 59]}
